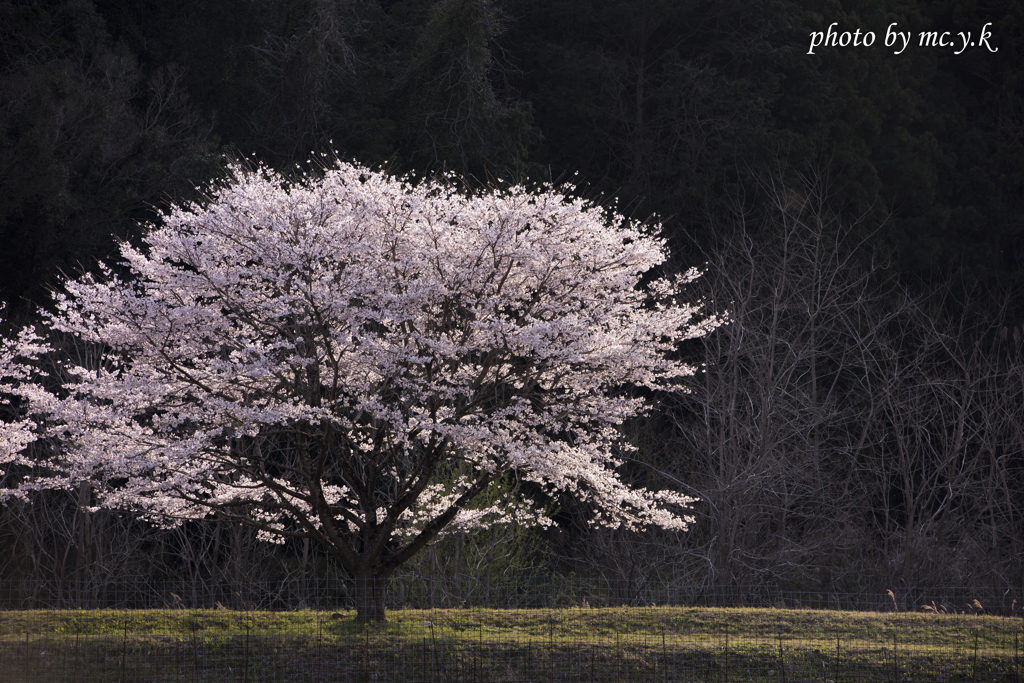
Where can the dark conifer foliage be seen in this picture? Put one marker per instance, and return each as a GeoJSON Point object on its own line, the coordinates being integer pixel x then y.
{"type": "Point", "coordinates": [89, 140]}
{"type": "Point", "coordinates": [668, 105]}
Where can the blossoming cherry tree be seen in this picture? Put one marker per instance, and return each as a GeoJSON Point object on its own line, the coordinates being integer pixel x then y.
{"type": "Point", "coordinates": [359, 360]}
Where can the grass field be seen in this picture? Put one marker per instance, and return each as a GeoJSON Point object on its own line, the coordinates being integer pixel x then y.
{"type": "Point", "coordinates": [575, 644]}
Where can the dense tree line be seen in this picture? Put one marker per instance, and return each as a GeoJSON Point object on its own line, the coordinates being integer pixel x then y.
{"type": "Point", "coordinates": [859, 211]}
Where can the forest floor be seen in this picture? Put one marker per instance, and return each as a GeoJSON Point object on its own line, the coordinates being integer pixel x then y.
{"type": "Point", "coordinates": [569, 644]}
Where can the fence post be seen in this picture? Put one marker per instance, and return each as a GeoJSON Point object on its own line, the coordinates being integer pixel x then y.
{"type": "Point", "coordinates": [124, 650]}
{"type": "Point", "coordinates": [727, 651]}
{"type": "Point", "coordinates": [1016, 655]}
{"type": "Point", "coordinates": [837, 655]}
{"type": "Point", "coordinates": [895, 659]}
{"type": "Point", "coordinates": [664, 654]}
{"type": "Point", "coordinates": [974, 664]}
{"type": "Point", "coordinates": [245, 654]}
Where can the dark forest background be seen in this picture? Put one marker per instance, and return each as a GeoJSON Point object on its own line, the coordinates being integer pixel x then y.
{"type": "Point", "coordinates": [860, 423]}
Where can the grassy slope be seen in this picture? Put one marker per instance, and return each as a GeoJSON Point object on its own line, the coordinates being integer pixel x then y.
{"type": "Point", "coordinates": [614, 644]}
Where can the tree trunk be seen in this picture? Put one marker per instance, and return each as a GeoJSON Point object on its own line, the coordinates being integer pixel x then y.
{"type": "Point", "coordinates": [370, 591]}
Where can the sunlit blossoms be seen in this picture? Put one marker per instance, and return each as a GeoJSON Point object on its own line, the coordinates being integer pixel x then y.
{"type": "Point", "coordinates": [358, 359]}
{"type": "Point", "coordinates": [22, 398]}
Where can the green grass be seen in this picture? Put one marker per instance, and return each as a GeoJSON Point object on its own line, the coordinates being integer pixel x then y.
{"type": "Point", "coordinates": [607, 644]}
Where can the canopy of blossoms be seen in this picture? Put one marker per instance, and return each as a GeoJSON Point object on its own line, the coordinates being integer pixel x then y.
{"type": "Point", "coordinates": [359, 359]}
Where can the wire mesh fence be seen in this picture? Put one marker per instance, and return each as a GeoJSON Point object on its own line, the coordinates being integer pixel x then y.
{"type": "Point", "coordinates": [560, 630]}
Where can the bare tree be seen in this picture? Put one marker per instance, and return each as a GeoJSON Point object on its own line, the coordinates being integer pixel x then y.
{"type": "Point", "coordinates": [768, 438]}
{"type": "Point", "coordinates": [847, 433]}
{"type": "Point", "coordinates": [942, 466]}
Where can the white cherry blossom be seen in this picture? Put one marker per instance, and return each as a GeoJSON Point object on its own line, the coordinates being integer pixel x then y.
{"type": "Point", "coordinates": [356, 358]}
{"type": "Point", "coordinates": [22, 400]}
